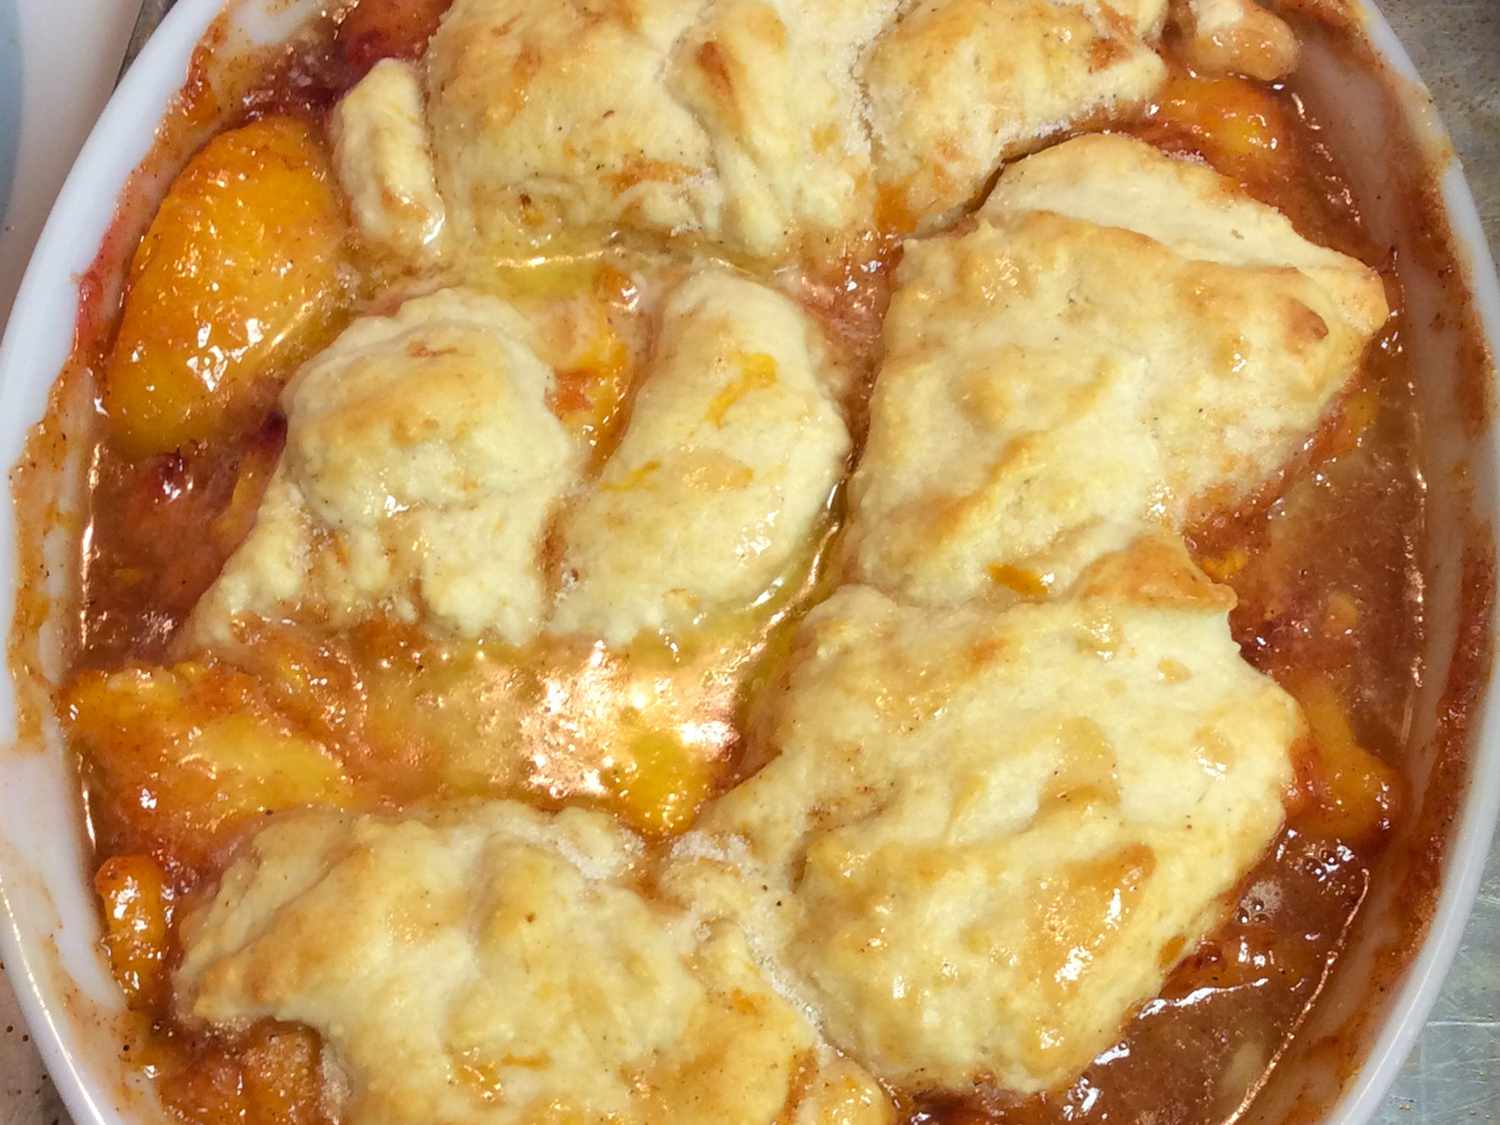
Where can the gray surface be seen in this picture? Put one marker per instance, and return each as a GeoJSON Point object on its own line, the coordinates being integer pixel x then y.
{"type": "Point", "coordinates": [1453, 1076]}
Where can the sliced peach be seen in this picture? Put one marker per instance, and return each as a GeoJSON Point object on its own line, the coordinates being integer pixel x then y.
{"type": "Point", "coordinates": [187, 755]}
{"type": "Point", "coordinates": [1222, 568]}
{"type": "Point", "coordinates": [592, 384]}
{"type": "Point", "coordinates": [240, 275]}
{"type": "Point", "coordinates": [658, 784]}
{"type": "Point", "coordinates": [1237, 125]}
{"type": "Point", "coordinates": [1353, 793]}
{"type": "Point", "coordinates": [283, 1080]}
{"type": "Point", "coordinates": [137, 924]}
{"type": "Point", "coordinates": [272, 1076]}
{"type": "Point", "coordinates": [1020, 580]}
{"type": "Point", "coordinates": [545, 725]}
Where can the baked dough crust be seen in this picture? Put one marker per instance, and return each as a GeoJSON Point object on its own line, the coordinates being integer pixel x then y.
{"type": "Point", "coordinates": [421, 467]}
{"type": "Point", "coordinates": [736, 120]}
{"type": "Point", "coordinates": [380, 154]}
{"type": "Point", "coordinates": [957, 87]}
{"type": "Point", "coordinates": [1123, 342]}
{"type": "Point", "coordinates": [734, 448]}
{"type": "Point", "coordinates": [985, 835]}
{"type": "Point", "coordinates": [495, 964]}
{"type": "Point", "coordinates": [1236, 37]}
{"type": "Point", "coordinates": [770, 128]}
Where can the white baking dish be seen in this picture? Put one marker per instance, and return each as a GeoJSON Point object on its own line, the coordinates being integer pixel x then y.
{"type": "Point", "coordinates": [1381, 124]}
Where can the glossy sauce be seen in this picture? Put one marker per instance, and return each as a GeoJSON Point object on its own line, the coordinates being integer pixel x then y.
{"type": "Point", "coordinates": [1325, 566]}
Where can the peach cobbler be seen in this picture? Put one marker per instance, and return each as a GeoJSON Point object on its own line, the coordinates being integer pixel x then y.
{"type": "Point", "coordinates": [745, 561]}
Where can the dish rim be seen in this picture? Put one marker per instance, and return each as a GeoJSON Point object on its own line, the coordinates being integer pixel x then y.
{"type": "Point", "coordinates": [1470, 841]}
